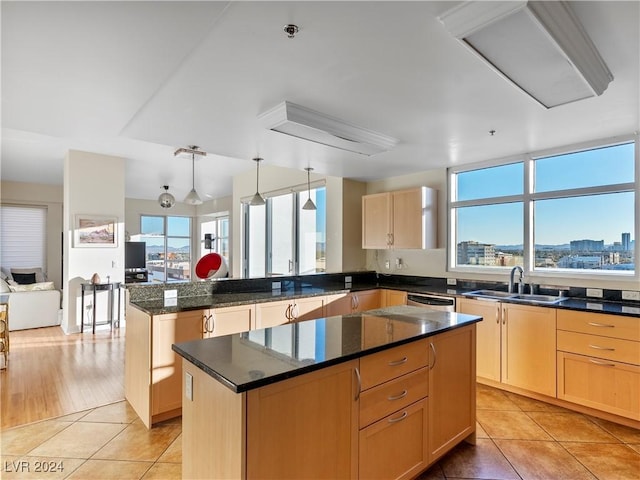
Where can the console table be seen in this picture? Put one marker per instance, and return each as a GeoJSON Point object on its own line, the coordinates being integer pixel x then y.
{"type": "Point", "coordinates": [95, 288]}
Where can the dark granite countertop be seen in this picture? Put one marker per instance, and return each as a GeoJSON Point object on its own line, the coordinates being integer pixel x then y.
{"type": "Point", "coordinates": [253, 359]}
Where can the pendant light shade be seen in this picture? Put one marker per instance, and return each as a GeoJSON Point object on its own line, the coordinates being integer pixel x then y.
{"type": "Point", "coordinates": [257, 198]}
{"type": "Point", "coordinates": [192, 197]}
{"type": "Point", "coordinates": [166, 200]}
{"type": "Point", "coordinates": [309, 205]}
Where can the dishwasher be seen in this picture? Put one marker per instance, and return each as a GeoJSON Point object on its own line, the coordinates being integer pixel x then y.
{"type": "Point", "coordinates": [434, 302]}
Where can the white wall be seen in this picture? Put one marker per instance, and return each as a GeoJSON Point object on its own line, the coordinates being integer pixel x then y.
{"type": "Point", "coordinates": [93, 185]}
{"type": "Point", "coordinates": [49, 196]}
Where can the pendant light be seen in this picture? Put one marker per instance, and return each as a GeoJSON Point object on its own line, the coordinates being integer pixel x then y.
{"type": "Point", "coordinates": [192, 197]}
{"type": "Point", "coordinates": [309, 205]}
{"type": "Point", "coordinates": [166, 200]}
{"type": "Point", "coordinates": [257, 198]}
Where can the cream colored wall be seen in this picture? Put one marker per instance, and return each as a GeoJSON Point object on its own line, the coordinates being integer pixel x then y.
{"type": "Point", "coordinates": [433, 263]}
{"type": "Point", "coordinates": [49, 196]}
{"type": "Point", "coordinates": [93, 185]}
{"type": "Point", "coordinates": [339, 211]}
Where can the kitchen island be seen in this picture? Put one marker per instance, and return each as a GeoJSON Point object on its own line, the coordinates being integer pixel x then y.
{"type": "Point", "coordinates": [383, 393]}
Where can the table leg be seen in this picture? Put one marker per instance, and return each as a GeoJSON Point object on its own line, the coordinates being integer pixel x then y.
{"type": "Point", "coordinates": [82, 311]}
{"type": "Point", "coordinates": [93, 320]}
{"type": "Point", "coordinates": [118, 312]}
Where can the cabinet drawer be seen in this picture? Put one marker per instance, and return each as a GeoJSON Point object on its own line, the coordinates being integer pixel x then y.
{"type": "Point", "coordinates": [609, 386]}
{"type": "Point", "coordinates": [385, 399]}
{"type": "Point", "coordinates": [383, 366]}
{"type": "Point", "coordinates": [616, 326]}
{"type": "Point", "coordinates": [596, 346]}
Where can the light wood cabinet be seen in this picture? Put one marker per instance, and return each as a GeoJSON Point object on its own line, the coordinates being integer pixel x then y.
{"type": "Point", "coordinates": [353, 302]}
{"type": "Point", "coordinates": [529, 348]}
{"type": "Point", "coordinates": [452, 390]}
{"type": "Point", "coordinates": [599, 362]}
{"type": "Point", "coordinates": [516, 344]}
{"type": "Point", "coordinates": [391, 298]}
{"type": "Point", "coordinates": [271, 314]}
{"type": "Point", "coordinates": [166, 365]}
{"type": "Point", "coordinates": [227, 320]}
{"type": "Point", "coordinates": [400, 219]}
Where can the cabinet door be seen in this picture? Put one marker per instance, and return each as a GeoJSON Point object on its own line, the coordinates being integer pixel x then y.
{"type": "Point", "coordinates": [406, 217]}
{"type": "Point", "coordinates": [166, 365]}
{"type": "Point", "coordinates": [376, 220]}
{"type": "Point", "coordinates": [295, 426]}
{"type": "Point", "coordinates": [487, 335]}
{"type": "Point", "coordinates": [392, 298]}
{"type": "Point", "coordinates": [272, 314]}
{"type": "Point", "coordinates": [367, 300]}
{"type": "Point", "coordinates": [452, 389]}
{"type": "Point", "coordinates": [339, 304]}
{"type": "Point", "coordinates": [594, 382]}
{"type": "Point", "coordinates": [396, 446]}
{"type": "Point", "coordinates": [228, 320]}
{"type": "Point", "coordinates": [308, 308]}
{"type": "Point", "coordinates": [529, 348]}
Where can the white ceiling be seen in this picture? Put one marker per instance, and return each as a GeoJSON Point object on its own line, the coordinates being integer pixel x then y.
{"type": "Point", "coordinates": [140, 79]}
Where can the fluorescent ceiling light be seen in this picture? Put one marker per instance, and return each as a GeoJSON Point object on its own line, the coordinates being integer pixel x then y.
{"type": "Point", "coordinates": [540, 46]}
{"type": "Point", "coordinates": [317, 127]}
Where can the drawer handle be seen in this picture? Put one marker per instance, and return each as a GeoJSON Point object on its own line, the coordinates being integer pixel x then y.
{"type": "Point", "coordinates": [397, 397]}
{"type": "Point", "coordinates": [401, 417]}
{"type": "Point", "coordinates": [359, 383]}
{"type": "Point", "coordinates": [395, 363]}
{"type": "Point", "coordinates": [604, 364]}
{"type": "Point", "coordinates": [595, 324]}
{"type": "Point", "coordinates": [598, 347]}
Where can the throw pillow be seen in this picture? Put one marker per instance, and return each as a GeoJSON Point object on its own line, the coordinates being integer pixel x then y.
{"type": "Point", "coordinates": [40, 276]}
{"type": "Point", "coordinates": [24, 278]}
{"type": "Point", "coordinates": [4, 286]}
{"type": "Point", "coordinates": [33, 287]}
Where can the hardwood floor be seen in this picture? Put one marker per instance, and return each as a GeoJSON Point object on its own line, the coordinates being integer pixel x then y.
{"type": "Point", "coordinates": [52, 374]}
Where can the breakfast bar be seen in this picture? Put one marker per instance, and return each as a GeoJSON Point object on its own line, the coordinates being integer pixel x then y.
{"type": "Point", "coordinates": [385, 392]}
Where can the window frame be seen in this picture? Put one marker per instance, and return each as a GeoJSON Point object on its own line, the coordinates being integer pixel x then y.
{"type": "Point", "coordinates": [530, 196]}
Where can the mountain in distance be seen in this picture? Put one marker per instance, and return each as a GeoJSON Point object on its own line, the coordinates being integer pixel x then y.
{"type": "Point", "coordinates": [160, 249]}
{"type": "Point", "coordinates": [563, 246]}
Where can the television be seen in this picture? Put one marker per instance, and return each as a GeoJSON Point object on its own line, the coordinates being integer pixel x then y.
{"type": "Point", "coordinates": [135, 255]}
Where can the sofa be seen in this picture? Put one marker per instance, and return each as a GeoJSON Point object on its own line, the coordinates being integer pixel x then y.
{"type": "Point", "coordinates": [32, 304]}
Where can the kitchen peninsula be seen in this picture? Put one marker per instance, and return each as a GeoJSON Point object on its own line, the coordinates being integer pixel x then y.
{"type": "Point", "coordinates": [381, 393]}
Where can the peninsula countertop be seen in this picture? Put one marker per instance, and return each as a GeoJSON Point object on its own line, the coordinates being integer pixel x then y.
{"type": "Point", "coordinates": [253, 359]}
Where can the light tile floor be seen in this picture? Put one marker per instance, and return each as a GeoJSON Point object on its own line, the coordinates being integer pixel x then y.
{"type": "Point", "coordinates": [518, 438]}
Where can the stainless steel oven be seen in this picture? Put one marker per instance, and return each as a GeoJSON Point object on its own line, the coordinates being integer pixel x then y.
{"type": "Point", "coordinates": [435, 302]}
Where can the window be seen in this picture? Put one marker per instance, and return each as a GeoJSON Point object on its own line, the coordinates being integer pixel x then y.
{"type": "Point", "coordinates": [23, 236]}
{"type": "Point", "coordinates": [280, 238]}
{"type": "Point", "coordinates": [568, 213]}
{"type": "Point", "coordinates": [168, 241]}
{"type": "Point", "coordinates": [218, 228]}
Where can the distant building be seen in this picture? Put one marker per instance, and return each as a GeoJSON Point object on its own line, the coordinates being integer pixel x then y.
{"type": "Point", "coordinates": [626, 242]}
{"type": "Point", "coordinates": [587, 245]}
{"type": "Point", "coordinates": [581, 262]}
{"type": "Point", "coordinates": [475, 253]}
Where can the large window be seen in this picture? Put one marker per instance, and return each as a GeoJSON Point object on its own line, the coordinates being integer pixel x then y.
{"type": "Point", "coordinates": [168, 241]}
{"type": "Point", "coordinates": [218, 228]}
{"type": "Point", "coordinates": [281, 238]}
{"type": "Point", "coordinates": [570, 212]}
{"type": "Point", "coordinates": [23, 236]}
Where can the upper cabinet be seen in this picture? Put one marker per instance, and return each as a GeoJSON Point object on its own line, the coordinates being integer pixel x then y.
{"type": "Point", "coordinates": [401, 219]}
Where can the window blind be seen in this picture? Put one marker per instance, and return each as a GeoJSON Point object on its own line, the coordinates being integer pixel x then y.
{"type": "Point", "coordinates": [22, 236]}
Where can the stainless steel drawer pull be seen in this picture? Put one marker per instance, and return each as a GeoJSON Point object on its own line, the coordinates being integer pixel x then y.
{"type": "Point", "coordinates": [604, 364]}
{"type": "Point", "coordinates": [401, 417]}
{"type": "Point", "coordinates": [398, 362]}
{"type": "Point", "coordinates": [598, 347]}
{"type": "Point", "coordinates": [595, 324]}
{"type": "Point", "coordinates": [397, 397]}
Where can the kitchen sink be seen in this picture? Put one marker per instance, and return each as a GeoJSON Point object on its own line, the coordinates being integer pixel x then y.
{"type": "Point", "coordinates": [522, 297]}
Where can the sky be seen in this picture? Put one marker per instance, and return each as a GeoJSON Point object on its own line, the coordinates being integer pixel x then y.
{"type": "Point", "coordinates": [556, 221]}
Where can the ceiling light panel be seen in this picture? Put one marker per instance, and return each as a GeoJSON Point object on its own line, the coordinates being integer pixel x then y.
{"type": "Point", "coordinates": [538, 46]}
{"type": "Point", "coordinates": [302, 122]}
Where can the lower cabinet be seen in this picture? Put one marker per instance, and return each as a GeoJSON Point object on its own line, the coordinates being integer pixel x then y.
{"type": "Point", "coordinates": [391, 298]}
{"type": "Point", "coordinates": [271, 314]}
{"type": "Point", "coordinates": [353, 302]}
{"type": "Point", "coordinates": [227, 320]}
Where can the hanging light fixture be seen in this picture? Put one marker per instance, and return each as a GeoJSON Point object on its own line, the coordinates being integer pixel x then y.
{"type": "Point", "coordinates": [309, 205]}
{"type": "Point", "coordinates": [166, 200]}
{"type": "Point", "coordinates": [192, 197]}
{"type": "Point", "coordinates": [257, 198]}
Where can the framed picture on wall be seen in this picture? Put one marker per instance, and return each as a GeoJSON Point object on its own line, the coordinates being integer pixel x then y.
{"type": "Point", "coordinates": [95, 231]}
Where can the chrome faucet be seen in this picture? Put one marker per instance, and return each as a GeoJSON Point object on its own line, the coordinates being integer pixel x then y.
{"type": "Point", "coordinates": [520, 280]}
